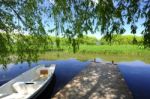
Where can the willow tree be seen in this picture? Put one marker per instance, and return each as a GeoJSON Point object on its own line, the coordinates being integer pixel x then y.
{"type": "Point", "coordinates": [68, 18]}
{"type": "Point", "coordinates": [22, 30]}
{"type": "Point", "coordinates": [74, 18]}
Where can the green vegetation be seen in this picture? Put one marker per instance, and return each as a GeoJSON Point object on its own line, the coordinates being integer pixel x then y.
{"type": "Point", "coordinates": [106, 52]}
{"type": "Point", "coordinates": [121, 49]}
{"type": "Point", "coordinates": [123, 39]}
{"type": "Point", "coordinates": [70, 19]}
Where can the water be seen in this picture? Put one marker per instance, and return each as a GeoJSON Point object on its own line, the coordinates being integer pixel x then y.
{"type": "Point", "coordinates": [65, 71]}
{"type": "Point", "coordinates": [137, 76]}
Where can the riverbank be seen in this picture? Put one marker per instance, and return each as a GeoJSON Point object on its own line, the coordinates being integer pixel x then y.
{"type": "Point", "coordinates": [115, 52]}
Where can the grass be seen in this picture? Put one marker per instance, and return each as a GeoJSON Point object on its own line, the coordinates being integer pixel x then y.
{"type": "Point", "coordinates": [115, 52]}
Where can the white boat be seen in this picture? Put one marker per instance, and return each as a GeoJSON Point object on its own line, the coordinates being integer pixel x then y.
{"type": "Point", "coordinates": [29, 84]}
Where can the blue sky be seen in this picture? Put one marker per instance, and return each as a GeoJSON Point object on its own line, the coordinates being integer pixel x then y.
{"type": "Point", "coordinates": [139, 25]}
{"type": "Point", "coordinates": [98, 35]}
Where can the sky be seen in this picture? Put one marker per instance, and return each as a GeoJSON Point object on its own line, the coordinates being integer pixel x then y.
{"type": "Point", "coordinates": [140, 28]}
{"type": "Point", "coordinates": [98, 33]}
{"type": "Point", "coordinates": [139, 25]}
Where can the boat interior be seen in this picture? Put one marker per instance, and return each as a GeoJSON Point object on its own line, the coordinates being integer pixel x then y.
{"type": "Point", "coordinates": [26, 84]}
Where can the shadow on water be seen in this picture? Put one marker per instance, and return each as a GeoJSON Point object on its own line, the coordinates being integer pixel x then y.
{"type": "Point", "coordinates": [65, 71]}
{"type": "Point", "coordinates": [137, 76]}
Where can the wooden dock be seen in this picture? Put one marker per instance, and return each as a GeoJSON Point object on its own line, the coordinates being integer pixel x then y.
{"type": "Point", "coordinates": [97, 81]}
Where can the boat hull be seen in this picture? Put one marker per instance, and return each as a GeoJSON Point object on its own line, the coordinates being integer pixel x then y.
{"type": "Point", "coordinates": [29, 85]}
{"type": "Point", "coordinates": [38, 93]}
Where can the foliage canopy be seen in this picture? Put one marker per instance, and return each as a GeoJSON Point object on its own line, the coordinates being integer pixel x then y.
{"type": "Point", "coordinates": [68, 18]}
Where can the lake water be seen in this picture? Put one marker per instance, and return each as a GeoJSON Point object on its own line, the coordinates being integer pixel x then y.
{"type": "Point", "coordinates": [65, 71]}
{"type": "Point", "coordinates": [136, 74]}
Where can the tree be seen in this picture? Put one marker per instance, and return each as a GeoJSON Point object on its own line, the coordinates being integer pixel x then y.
{"type": "Point", "coordinates": [123, 39]}
{"type": "Point", "coordinates": [78, 17]}
{"type": "Point", "coordinates": [24, 17]}
{"type": "Point", "coordinates": [70, 18]}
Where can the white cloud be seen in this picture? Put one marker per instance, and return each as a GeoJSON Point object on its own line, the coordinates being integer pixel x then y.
{"type": "Point", "coordinates": [52, 1]}
{"type": "Point", "coordinates": [95, 1]}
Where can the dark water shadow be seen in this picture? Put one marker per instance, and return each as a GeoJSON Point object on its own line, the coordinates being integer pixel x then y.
{"type": "Point", "coordinates": [48, 92]}
{"type": "Point", "coordinates": [137, 77]}
{"type": "Point", "coordinates": [64, 72]}
{"type": "Point", "coordinates": [96, 82]}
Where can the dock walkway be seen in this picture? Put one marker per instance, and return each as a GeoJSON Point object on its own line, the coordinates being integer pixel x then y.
{"type": "Point", "coordinates": [97, 81]}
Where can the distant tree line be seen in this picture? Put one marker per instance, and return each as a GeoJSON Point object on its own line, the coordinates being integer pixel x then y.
{"type": "Point", "coordinates": [25, 46]}
{"type": "Point", "coordinates": [90, 40]}
{"type": "Point", "coordinates": [123, 39]}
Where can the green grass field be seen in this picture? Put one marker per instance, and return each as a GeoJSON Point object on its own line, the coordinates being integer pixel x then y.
{"type": "Point", "coordinates": [114, 52]}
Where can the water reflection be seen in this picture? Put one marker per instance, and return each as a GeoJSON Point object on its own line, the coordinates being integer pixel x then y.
{"type": "Point", "coordinates": [13, 70]}
{"type": "Point", "coordinates": [135, 73]}
{"type": "Point", "coordinates": [65, 71]}
{"type": "Point", "coordinates": [137, 76]}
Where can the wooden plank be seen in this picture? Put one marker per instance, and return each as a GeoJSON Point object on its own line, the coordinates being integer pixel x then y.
{"type": "Point", "coordinates": [97, 81]}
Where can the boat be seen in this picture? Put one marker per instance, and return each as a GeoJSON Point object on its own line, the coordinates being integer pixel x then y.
{"type": "Point", "coordinates": [29, 84]}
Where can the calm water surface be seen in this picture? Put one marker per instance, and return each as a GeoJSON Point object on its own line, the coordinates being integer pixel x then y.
{"type": "Point", "coordinates": [136, 74]}
{"type": "Point", "coordinates": [65, 71]}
